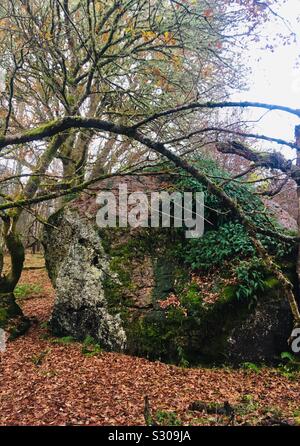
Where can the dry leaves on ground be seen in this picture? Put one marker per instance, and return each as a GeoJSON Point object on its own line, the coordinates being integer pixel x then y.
{"type": "Point", "coordinates": [45, 383]}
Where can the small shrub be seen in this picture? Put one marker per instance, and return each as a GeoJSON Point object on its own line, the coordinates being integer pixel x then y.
{"type": "Point", "coordinates": [225, 238]}
{"type": "Point", "coordinates": [25, 290]}
{"type": "Point", "coordinates": [290, 368]}
{"type": "Point", "coordinates": [63, 340]}
{"type": "Point", "coordinates": [44, 325]}
{"type": "Point", "coordinates": [250, 366]}
{"type": "Point", "coordinates": [296, 413]}
{"type": "Point", "coordinates": [90, 347]}
{"type": "Point", "coordinates": [247, 405]}
{"type": "Point", "coordinates": [229, 241]}
{"type": "Point", "coordinates": [165, 418]}
{"type": "Point", "coordinates": [250, 275]}
{"type": "Point", "coordinates": [182, 361]}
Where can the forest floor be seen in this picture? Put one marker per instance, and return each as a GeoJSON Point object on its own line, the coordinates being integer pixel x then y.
{"type": "Point", "coordinates": [47, 382]}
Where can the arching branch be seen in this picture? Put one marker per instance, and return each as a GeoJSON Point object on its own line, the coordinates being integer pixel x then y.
{"type": "Point", "coordinates": [215, 105]}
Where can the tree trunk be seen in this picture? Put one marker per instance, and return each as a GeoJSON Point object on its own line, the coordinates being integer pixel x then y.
{"type": "Point", "coordinates": [11, 316]}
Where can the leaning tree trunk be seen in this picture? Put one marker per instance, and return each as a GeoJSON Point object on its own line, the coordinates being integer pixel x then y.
{"type": "Point", "coordinates": [12, 319]}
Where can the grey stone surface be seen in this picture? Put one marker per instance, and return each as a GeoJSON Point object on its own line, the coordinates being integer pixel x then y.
{"type": "Point", "coordinates": [77, 265]}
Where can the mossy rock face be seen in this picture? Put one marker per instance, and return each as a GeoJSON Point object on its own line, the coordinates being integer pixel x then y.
{"type": "Point", "coordinates": [131, 291]}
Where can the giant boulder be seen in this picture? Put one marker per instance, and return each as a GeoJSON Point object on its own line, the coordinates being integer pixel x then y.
{"type": "Point", "coordinates": [120, 285]}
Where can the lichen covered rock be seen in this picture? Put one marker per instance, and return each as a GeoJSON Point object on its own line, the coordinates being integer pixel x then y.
{"type": "Point", "coordinates": [78, 265]}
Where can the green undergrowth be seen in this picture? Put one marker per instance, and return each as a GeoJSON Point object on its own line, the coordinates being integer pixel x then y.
{"type": "Point", "coordinates": [26, 290]}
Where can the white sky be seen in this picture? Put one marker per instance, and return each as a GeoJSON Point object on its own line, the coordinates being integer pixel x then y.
{"type": "Point", "coordinates": [275, 78]}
